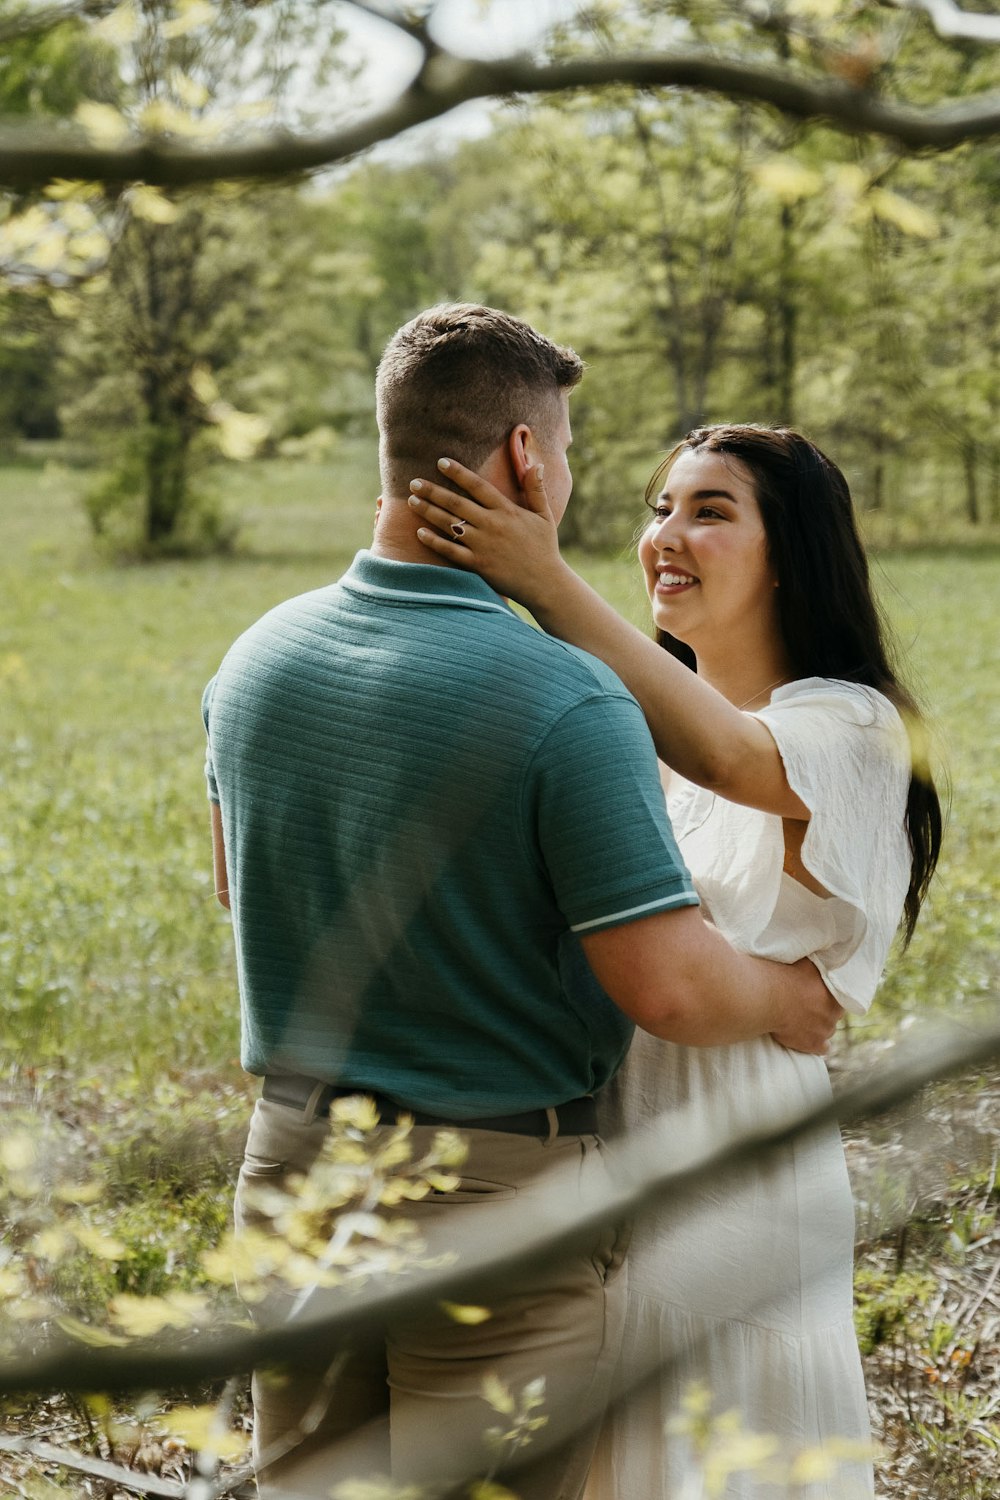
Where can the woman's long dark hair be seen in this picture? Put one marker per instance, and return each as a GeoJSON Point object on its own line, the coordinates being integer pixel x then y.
{"type": "Point", "coordinates": [830, 623]}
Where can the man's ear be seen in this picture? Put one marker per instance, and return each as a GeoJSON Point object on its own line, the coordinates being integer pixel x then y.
{"type": "Point", "coordinates": [521, 450]}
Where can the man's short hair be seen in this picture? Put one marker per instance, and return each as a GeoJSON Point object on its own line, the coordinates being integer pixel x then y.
{"type": "Point", "coordinates": [456, 380]}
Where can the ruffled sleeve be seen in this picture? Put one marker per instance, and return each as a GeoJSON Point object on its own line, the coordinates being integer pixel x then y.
{"type": "Point", "coordinates": [846, 754]}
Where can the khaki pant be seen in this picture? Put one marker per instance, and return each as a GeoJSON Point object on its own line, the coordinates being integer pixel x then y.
{"type": "Point", "coordinates": [415, 1408]}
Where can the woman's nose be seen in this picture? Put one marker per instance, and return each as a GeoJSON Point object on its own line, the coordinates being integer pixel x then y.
{"type": "Point", "coordinates": [665, 538]}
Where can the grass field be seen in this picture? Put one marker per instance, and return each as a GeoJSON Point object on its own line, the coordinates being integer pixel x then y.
{"type": "Point", "coordinates": [119, 1005]}
{"type": "Point", "coordinates": [113, 954]}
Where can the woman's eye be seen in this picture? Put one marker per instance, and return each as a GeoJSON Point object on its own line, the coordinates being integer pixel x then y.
{"type": "Point", "coordinates": [661, 512]}
{"type": "Point", "coordinates": [710, 513]}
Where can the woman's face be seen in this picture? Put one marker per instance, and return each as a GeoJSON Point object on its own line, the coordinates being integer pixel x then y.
{"type": "Point", "coordinates": [705, 555]}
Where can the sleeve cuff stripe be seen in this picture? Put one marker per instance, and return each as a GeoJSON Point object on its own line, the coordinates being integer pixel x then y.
{"type": "Point", "coordinates": [682, 898]}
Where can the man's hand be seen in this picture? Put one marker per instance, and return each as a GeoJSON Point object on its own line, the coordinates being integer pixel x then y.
{"type": "Point", "coordinates": [815, 1014]}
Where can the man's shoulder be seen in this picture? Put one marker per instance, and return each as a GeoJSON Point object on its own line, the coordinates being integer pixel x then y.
{"type": "Point", "coordinates": [569, 669]}
{"type": "Point", "coordinates": [283, 617]}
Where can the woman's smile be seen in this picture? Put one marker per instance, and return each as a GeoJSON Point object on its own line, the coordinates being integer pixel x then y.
{"type": "Point", "coordinates": [671, 580]}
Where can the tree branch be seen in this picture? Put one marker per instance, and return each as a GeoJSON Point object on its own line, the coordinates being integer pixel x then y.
{"type": "Point", "coordinates": [35, 22]}
{"type": "Point", "coordinates": [152, 1485]}
{"type": "Point", "coordinates": [31, 156]}
{"type": "Point", "coordinates": [950, 21]}
{"type": "Point", "coordinates": [530, 1239]}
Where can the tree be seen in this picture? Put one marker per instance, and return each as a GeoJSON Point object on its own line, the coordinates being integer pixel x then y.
{"type": "Point", "coordinates": [41, 76]}
{"type": "Point", "coordinates": [169, 284]}
{"type": "Point", "coordinates": [189, 74]}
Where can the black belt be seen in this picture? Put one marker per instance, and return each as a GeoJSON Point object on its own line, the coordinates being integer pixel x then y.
{"type": "Point", "coordinates": [577, 1117]}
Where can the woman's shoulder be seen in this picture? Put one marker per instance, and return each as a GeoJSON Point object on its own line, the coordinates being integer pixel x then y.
{"type": "Point", "coordinates": [849, 703]}
{"type": "Point", "coordinates": [856, 695]}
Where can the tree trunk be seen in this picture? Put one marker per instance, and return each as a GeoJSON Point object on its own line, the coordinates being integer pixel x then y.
{"type": "Point", "coordinates": [877, 500]}
{"type": "Point", "coordinates": [787, 319]}
{"type": "Point", "coordinates": [166, 467]}
{"type": "Point", "coordinates": [971, 482]}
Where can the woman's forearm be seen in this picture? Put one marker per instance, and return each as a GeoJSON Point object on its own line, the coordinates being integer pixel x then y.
{"type": "Point", "coordinates": [697, 732]}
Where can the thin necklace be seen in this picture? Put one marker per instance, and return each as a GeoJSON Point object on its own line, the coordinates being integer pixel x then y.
{"type": "Point", "coordinates": [778, 682]}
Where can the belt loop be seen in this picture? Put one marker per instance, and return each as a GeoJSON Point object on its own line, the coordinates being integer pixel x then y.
{"type": "Point", "coordinates": [312, 1104]}
{"type": "Point", "coordinates": [553, 1118]}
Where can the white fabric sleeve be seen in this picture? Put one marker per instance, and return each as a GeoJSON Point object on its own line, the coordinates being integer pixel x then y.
{"type": "Point", "coordinates": [846, 754]}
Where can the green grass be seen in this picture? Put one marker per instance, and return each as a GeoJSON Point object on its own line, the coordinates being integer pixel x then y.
{"type": "Point", "coordinates": [119, 1005]}
{"type": "Point", "coordinates": [114, 957]}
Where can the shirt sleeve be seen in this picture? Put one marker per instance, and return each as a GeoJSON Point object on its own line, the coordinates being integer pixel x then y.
{"type": "Point", "coordinates": [206, 709]}
{"type": "Point", "coordinates": [846, 754]}
{"type": "Point", "coordinates": [601, 820]}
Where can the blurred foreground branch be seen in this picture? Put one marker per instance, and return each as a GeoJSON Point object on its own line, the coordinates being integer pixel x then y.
{"type": "Point", "coordinates": [528, 1241]}
{"type": "Point", "coordinates": [31, 155]}
{"type": "Point", "coordinates": [34, 21]}
{"type": "Point", "coordinates": [951, 21]}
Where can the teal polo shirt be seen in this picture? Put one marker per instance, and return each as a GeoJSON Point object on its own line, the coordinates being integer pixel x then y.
{"type": "Point", "coordinates": [424, 800]}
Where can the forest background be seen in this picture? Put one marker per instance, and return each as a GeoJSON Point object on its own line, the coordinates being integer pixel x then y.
{"type": "Point", "coordinates": [188, 436]}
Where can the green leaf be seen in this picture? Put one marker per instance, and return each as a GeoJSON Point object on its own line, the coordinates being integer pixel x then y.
{"type": "Point", "coordinates": [466, 1314]}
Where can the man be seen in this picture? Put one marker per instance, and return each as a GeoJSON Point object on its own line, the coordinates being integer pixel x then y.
{"type": "Point", "coordinates": [423, 810]}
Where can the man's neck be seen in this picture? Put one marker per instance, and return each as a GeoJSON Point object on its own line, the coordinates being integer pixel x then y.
{"type": "Point", "coordinates": [396, 537]}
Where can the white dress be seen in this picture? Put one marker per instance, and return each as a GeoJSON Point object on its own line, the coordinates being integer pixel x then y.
{"type": "Point", "coordinates": [747, 1286]}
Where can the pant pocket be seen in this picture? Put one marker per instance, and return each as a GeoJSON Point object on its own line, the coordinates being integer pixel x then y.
{"type": "Point", "coordinates": [261, 1166]}
{"type": "Point", "coordinates": [474, 1190]}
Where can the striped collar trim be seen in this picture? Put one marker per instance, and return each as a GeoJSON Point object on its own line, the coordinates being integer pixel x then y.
{"type": "Point", "coordinates": [420, 583]}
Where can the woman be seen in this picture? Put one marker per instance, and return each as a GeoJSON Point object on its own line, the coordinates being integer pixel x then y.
{"type": "Point", "coordinates": [796, 805]}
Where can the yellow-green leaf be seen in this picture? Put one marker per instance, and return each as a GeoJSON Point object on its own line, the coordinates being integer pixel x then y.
{"type": "Point", "coordinates": [48, 253]}
{"type": "Point", "coordinates": [191, 93]}
{"type": "Point", "coordinates": [11, 1282]}
{"type": "Point", "coordinates": [357, 1110]}
{"type": "Point", "coordinates": [849, 179]}
{"type": "Point", "coordinates": [51, 1243]}
{"type": "Point", "coordinates": [241, 434]}
{"type": "Point", "coordinates": [63, 191]}
{"type": "Point", "coordinates": [150, 204]}
{"type": "Point", "coordinates": [104, 1246]}
{"type": "Point", "coordinates": [203, 385]}
{"type": "Point", "coordinates": [189, 15]}
{"type": "Point", "coordinates": [822, 10]}
{"type": "Point", "coordinates": [904, 214]}
{"type": "Point", "coordinates": [200, 1428]}
{"type": "Point", "coordinates": [162, 117]}
{"type": "Point", "coordinates": [89, 247]}
{"type": "Point", "coordinates": [18, 1151]}
{"type": "Point", "coordinates": [86, 1333]}
{"type": "Point", "coordinates": [143, 1316]}
{"type": "Point", "coordinates": [121, 26]}
{"type": "Point", "coordinates": [787, 179]}
{"type": "Point", "coordinates": [102, 122]}
{"type": "Point", "coordinates": [463, 1313]}
{"type": "Point", "coordinates": [496, 1395]}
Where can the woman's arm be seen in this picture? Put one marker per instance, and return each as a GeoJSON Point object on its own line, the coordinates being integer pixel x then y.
{"type": "Point", "coordinates": [695, 729]}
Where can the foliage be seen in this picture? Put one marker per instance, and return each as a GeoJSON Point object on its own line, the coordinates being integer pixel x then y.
{"type": "Point", "coordinates": [157, 293]}
{"type": "Point", "coordinates": [925, 1315]}
{"type": "Point", "coordinates": [710, 259]}
{"type": "Point", "coordinates": [120, 1014]}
